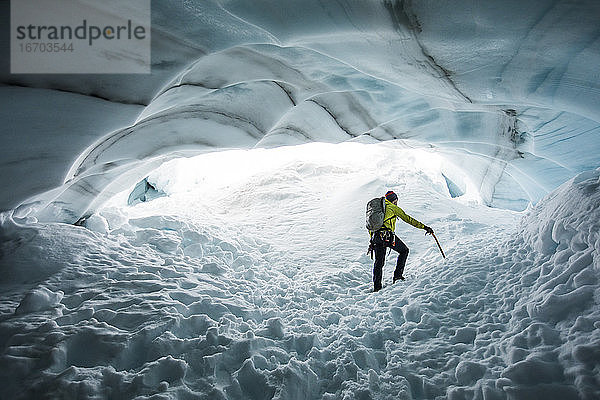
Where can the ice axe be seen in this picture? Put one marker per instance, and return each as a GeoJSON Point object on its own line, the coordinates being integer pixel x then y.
{"type": "Point", "coordinates": [438, 243]}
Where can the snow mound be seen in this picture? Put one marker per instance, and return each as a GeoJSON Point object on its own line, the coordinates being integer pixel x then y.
{"type": "Point", "coordinates": [569, 218]}
{"type": "Point", "coordinates": [560, 292]}
{"type": "Point", "coordinates": [39, 299]}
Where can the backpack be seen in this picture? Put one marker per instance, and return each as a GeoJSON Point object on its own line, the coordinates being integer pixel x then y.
{"type": "Point", "coordinates": [375, 213]}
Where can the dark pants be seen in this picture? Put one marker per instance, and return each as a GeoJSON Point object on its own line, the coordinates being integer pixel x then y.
{"type": "Point", "coordinates": [379, 247]}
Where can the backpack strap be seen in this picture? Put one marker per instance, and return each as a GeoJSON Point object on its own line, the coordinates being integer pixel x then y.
{"type": "Point", "coordinates": [384, 209]}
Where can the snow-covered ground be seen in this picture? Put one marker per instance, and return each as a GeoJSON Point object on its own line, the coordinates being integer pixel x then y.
{"type": "Point", "coordinates": [250, 280]}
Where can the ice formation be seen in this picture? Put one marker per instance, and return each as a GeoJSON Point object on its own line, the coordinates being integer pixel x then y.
{"type": "Point", "coordinates": [508, 90]}
{"type": "Point", "coordinates": [247, 279]}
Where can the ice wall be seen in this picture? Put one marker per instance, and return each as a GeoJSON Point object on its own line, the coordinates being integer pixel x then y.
{"type": "Point", "coordinates": [509, 91]}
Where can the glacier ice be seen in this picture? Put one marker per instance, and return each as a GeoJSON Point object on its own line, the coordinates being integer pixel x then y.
{"type": "Point", "coordinates": [506, 90]}
{"type": "Point", "coordinates": [470, 109]}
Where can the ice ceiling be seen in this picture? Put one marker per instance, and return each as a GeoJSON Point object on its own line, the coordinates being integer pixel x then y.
{"type": "Point", "coordinates": [508, 91]}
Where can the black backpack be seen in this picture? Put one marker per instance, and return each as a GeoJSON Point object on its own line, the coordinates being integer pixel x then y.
{"type": "Point", "coordinates": [375, 213]}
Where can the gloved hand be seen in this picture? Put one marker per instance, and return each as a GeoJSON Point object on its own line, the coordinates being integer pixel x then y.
{"type": "Point", "coordinates": [428, 230]}
{"type": "Point", "coordinates": [371, 249]}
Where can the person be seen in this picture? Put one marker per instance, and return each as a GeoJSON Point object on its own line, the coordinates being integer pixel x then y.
{"type": "Point", "coordinates": [386, 237]}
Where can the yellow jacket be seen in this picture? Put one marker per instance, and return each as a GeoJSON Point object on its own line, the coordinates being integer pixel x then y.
{"type": "Point", "coordinates": [392, 212]}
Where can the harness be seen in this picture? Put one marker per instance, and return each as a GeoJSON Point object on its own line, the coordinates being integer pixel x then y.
{"type": "Point", "coordinates": [387, 236]}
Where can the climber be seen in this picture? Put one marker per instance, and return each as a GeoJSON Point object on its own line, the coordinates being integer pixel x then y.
{"type": "Point", "coordinates": [386, 237]}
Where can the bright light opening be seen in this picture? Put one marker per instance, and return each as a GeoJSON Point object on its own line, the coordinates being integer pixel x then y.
{"type": "Point", "coordinates": [232, 174]}
{"type": "Point", "coordinates": [302, 199]}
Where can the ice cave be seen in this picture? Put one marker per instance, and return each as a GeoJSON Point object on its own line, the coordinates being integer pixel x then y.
{"type": "Point", "coordinates": [198, 232]}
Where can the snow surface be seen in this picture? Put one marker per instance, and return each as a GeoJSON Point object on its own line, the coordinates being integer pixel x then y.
{"type": "Point", "coordinates": [252, 282]}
